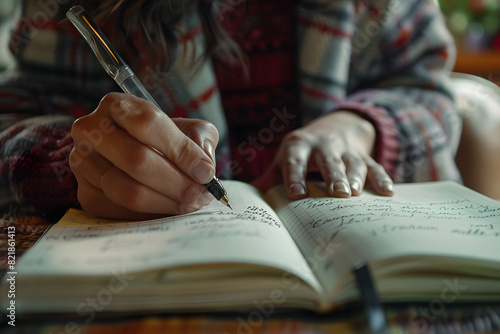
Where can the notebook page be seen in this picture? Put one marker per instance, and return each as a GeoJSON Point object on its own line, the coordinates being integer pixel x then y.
{"type": "Point", "coordinates": [252, 233]}
{"type": "Point", "coordinates": [436, 219]}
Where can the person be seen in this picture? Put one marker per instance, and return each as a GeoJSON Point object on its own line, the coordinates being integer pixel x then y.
{"type": "Point", "coordinates": [353, 91]}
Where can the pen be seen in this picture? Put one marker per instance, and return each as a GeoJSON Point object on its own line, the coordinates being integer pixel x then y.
{"type": "Point", "coordinates": [116, 67]}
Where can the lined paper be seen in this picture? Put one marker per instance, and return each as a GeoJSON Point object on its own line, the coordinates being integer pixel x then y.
{"type": "Point", "coordinates": [440, 219]}
{"type": "Point", "coordinates": [252, 233]}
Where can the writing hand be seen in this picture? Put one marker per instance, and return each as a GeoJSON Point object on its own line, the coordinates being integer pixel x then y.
{"type": "Point", "coordinates": [338, 145]}
{"type": "Point", "coordinates": [132, 161]}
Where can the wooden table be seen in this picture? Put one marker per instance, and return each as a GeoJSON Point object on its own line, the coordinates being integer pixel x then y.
{"type": "Point", "coordinates": [485, 64]}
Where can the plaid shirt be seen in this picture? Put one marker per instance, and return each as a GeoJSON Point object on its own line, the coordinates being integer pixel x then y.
{"type": "Point", "coordinates": [387, 61]}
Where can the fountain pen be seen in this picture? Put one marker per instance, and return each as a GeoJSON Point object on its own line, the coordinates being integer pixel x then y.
{"type": "Point", "coordinates": [116, 67]}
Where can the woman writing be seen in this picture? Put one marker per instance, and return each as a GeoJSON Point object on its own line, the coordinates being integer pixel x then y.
{"type": "Point", "coordinates": [353, 90]}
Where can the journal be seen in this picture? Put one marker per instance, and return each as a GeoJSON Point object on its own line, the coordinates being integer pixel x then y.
{"type": "Point", "coordinates": [427, 241]}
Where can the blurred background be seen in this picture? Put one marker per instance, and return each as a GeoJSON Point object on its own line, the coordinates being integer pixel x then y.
{"type": "Point", "coordinates": [8, 13]}
{"type": "Point", "coordinates": [475, 24]}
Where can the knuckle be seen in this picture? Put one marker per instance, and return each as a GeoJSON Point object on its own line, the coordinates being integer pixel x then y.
{"type": "Point", "coordinates": [203, 130]}
{"type": "Point", "coordinates": [366, 128]}
{"type": "Point", "coordinates": [123, 106]}
{"type": "Point", "coordinates": [78, 126]}
{"type": "Point", "coordinates": [152, 126]}
{"type": "Point", "coordinates": [109, 99]}
{"type": "Point", "coordinates": [133, 196]}
{"type": "Point", "coordinates": [206, 126]}
{"type": "Point", "coordinates": [331, 138]}
{"type": "Point", "coordinates": [140, 161]}
{"type": "Point", "coordinates": [74, 159]}
{"type": "Point", "coordinates": [356, 163]}
{"type": "Point", "coordinates": [297, 136]}
{"type": "Point", "coordinates": [182, 153]}
{"type": "Point", "coordinates": [109, 103]}
{"type": "Point", "coordinates": [211, 128]}
{"type": "Point", "coordinates": [293, 162]}
{"type": "Point", "coordinates": [334, 160]}
{"type": "Point", "coordinates": [144, 121]}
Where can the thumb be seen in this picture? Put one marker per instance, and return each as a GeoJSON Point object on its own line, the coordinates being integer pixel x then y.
{"type": "Point", "coordinates": [203, 133]}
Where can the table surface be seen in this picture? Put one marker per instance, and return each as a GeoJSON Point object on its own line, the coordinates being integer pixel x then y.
{"type": "Point", "coordinates": [485, 64]}
{"type": "Point", "coordinates": [432, 317]}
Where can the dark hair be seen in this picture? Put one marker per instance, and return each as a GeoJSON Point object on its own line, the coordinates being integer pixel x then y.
{"type": "Point", "coordinates": [158, 21]}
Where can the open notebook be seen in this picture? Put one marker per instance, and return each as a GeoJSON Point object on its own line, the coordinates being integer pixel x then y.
{"type": "Point", "coordinates": [428, 241]}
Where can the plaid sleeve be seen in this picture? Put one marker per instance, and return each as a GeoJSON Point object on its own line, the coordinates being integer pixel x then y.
{"type": "Point", "coordinates": [34, 164]}
{"type": "Point", "coordinates": [404, 92]}
{"type": "Point", "coordinates": [55, 80]}
{"type": "Point", "coordinates": [35, 140]}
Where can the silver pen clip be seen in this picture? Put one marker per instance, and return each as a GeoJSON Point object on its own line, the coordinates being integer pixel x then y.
{"type": "Point", "coordinates": [104, 51]}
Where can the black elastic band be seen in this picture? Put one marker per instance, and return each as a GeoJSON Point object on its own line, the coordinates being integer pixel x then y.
{"type": "Point", "coordinates": [373, 307]}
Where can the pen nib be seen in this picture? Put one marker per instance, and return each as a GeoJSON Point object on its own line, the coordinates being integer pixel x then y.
{"type": "Point", "coordinates": [225, 200]}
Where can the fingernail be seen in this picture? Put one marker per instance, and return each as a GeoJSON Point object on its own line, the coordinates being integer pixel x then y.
{"type": "Point", "coordinates": [209, 149]}
{"type": "Point", "coordinates": [342, 187]}
{"type": "Point", "coordinates": [356, 186]}
{"type": "Point", "coordinates": [385, 185]}
{"type": "Point", "coordinates": [297, 189]}
{"type": "Point", "coordinates": [202, 172]}
{"type": "Point", "coordinates": [205, 198]}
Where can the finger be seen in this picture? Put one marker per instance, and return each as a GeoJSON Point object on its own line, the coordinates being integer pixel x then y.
{"type": "Point", "coordinates": [142, 120]}
{"type": "Point", "coordinates": [127, 192]}
{"type": "Point", "coordinates": [378, 178]}
{"type": "Point", "coordinates": [136, 159]}
{"type": "Point", "coordinates": [89, 166]}
{"type": "Point", "coordinates": [296, 153]}
{"type": "Point", "coordinates": [356, 171]}
{"type": "Point", "coordinates": [95, 202]}
{"type": "Point", "coordinates": [332, 168]}
{"type": "Point", "coordinates": [118, 197]}
{"type": "Point", "coordinates": [203, 133]}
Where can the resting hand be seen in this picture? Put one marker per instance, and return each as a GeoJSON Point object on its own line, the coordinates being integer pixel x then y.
{"type": "Point", "coordinates": [339, 146]}
{"type": "Point", "coordinates": [132, 161]}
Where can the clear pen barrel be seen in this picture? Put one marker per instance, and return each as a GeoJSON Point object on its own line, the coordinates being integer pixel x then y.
{"type": "Point", "coordinates": [132, 85]}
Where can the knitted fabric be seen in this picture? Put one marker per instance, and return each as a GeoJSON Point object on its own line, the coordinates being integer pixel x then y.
{"type": "Point", "coordinates": [387, 61]}
{"type": "Point", "coordinates": [36, 156]}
